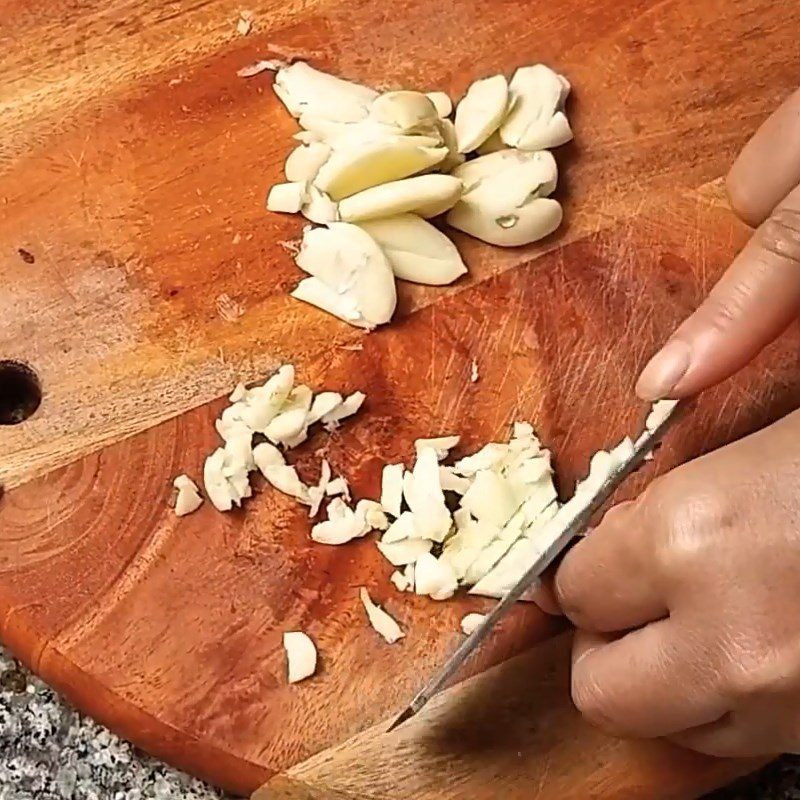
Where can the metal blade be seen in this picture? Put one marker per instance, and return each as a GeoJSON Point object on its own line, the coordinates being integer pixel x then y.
{"type": "Point", "coordinates": [575, 526]}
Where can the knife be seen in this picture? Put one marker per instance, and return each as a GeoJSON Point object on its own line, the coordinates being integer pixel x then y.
{"type": "Point", "coordinates": [574, 526]}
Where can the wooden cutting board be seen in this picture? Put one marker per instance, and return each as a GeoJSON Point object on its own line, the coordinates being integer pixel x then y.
{"type": "Point", "coordinates": [142, 278]}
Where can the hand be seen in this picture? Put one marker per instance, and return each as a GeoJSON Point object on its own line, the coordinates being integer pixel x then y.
{"type": "Point", "coordinates": [760, 294]}
{"type": "Point", "coordinates": [687, 603]}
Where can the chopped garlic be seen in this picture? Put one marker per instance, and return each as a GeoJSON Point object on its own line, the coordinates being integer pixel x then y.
{"type": "Point", "coordinates": [266, 455]}
{"type": "Point", "coordinates": [372, 513]}
{"type": "Point", "coordinates": [401, 529]}
{"type": "Point", "coordinates": [349, 406]}
{"type": "Point", "coordinates": [406, 552]}
{"type": "Point", "coordinates": [536, 120]}
{"type": "Point", "coordinates": [434, 577]}
{"type": "Point", "coordinates": [384, 624]}
{"type": "Point", "coordinates": [392, 488]}
{"type": "Point", "coordinates": [239, 393]}
{"type": "Point", "coordinates": [285, 479]}
{"type": "Point", "coordinates": [488, 457]}
{"type": "Point", "coordinates": [425, 195]}
{"type": "Point", "coordinates": [442, 103]}
{"type": "Point", "coordinates": [400, 581]}
{"type": "Point", "coordinates": [340, 530]}
{"type": "Point", "coordinates": [316, 293]}
{"type": "Point", "coordinates": [188, 499]}
{"type": "Point", "coordinates": [416, 250]}
{"type": "Point", "coordinates": [480, 112]}
{"type": "Point", "coordinates": [304, 162]}
{"type": "Point", "coordinates": [660, 411]}
{"type": "Point", "coordinates": [286, 426]}
{"type": "Point", "coordinates": [323, 404]}
{"type": "Point", "coordinates": [287, 198]}
{"type": "Point", "coordinates": [471, 622]}
{"type": "Point", "coordinates": [305, 90]}
{"type": "Point", "coordinates": [474, 375]}
{"type": "Point", "coordinates": [350, 171]}
{"type": "Point", "coordinates": [316, 494]}
{"type": "Point", "coordinates": [452, 482]}
{"type": "Point", "coordinates": [442, 445]}
{"type": "Point", "coordinates": [301, 655]}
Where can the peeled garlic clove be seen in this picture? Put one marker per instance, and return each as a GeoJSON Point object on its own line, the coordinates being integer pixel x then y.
{"type": "Point", "coordinates": [349, 261]}
{"type": "Point", "coordinates": [350, 171]}
{"type": "Point", "coordinates": [470, 622]}
{"type": "Point", "coordinates": [305, 90]}
{"type": "Point", "coordinates": [416, 250]}
{"type": "Point", "coordinates": [434, 577]}
{"type": "Point", "coordinates": [287, 198]}
{"type": "Point", "coordinates": [536, 120]}
{"type": "Point", "coordinates": [188, 499]}
{"type": "Point", "coordinates": [392, 488]}
{"type": "Point", "coordinates": [480, 112]}
{"type": "Point", "coordinates": [427, 195]}
{"type": "Point", "coordinates": [492, 145]}
{"type": "Point", "coordinates": [359, 134]}
{"type": "Point", "coordinates": [442, 103]}
{"type": "Point", "coordinates": [319, 294]}
{"type": "Point", "coordinates": [318, 207]}
{"type": "Point", "coordinates": [407, 111]}
{"type": "Point", "coordinates": [524, 226]}
{"type": "Point", "coordinates": [304, 162]}
{"type": "Point", "coordinates": [523, 173]}
{"type": "Point", "coordinates": [453, 158]}
{"type": "Point", "coordinates": [382, 622]}
{"type": "Point", "coordinates": [301, 655]}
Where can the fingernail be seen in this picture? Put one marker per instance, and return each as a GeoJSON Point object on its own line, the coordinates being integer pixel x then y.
{"type": "Point", "coordinates": [664, 371]}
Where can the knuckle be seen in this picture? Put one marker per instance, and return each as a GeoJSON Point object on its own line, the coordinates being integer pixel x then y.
{"type": "Point", "coordinates": [780, 234]}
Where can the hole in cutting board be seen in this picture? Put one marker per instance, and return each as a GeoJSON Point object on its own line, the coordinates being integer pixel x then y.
{"type": "Point", "coordinates": [20, 392]}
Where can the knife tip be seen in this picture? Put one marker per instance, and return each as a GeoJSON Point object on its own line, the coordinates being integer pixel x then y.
{"type": "Point", "coordinates": [404, 717]}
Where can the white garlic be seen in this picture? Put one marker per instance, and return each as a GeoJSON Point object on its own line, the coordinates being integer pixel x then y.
{"type": "Point", "coordinates": [470, 622]}
{"type": "Point", "coordinates": [480, 112]}
{"type": "Point", "coordinates": [304, 162]}
{"type": "Point", "coordinates": [434, 577]}
{"type": "Point", "coordinates": [318, 207]}
{"type": "Point", "coordinates": [442, 103]}
{"type": "Point", "coordinates": [382, 622]}
{"type": "Point", "coordinates": [287, 198]}
{"type": "Point", "coordinates": [407, 111]}
{"type": "Point", "coordinates": [301, 655]}
{"type": "Point", "coordinates": [392, 488]}
{"type": "Point", "coordinates": [188, 498]}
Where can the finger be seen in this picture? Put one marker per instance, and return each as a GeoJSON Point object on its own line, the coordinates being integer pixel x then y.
{"type": "Point", "coordinates": [768, 167]}
{"type": "Point", "coordinates": [751, 305]}
{"type": "Point", "coordinates": [652, 682]}
{"type": "Point", "coordinates": [731, 737]}
{"type": "Point", "coordinates": [605, 582]}
{"type": "Point", "coordinates": [544, 596]}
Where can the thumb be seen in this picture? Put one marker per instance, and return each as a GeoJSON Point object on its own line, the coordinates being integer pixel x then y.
{"type": "Point", "coordinates": [754, 302]}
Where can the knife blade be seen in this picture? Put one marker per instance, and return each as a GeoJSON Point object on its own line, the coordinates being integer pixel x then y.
{"type": "Point", "coordinates": [573, 526]}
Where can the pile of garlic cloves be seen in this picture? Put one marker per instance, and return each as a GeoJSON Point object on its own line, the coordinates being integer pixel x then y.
{"type": "Point", "coordinates": [372, 169]}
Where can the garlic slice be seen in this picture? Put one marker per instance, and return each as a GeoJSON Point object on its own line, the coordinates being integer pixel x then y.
{"type": "Point", "coordinates": [442, 103]}
{"type": "Point", "coordinates": [442, 445]}
{"type": "Point", "coordinates": [406, 552]}
{"type": "Point", "coordinates": [470, 622]}
{"type": "Point", "coordinates": [416, 250]}
{"type": "Point", "coordinates": [319, 207]}
{"type": "Point", "coordinates": [323, 404]}
{"type": "Point", "coordinates": [304, 162]}
{"type": "Point", "coordinates": [352, 170]}
{"type": "Point", "coordinates": [349, 261]}
{"type": "Point", "coordinates": [305, 90]}
{"type": "Point", "coordinates": [188, 499]}
{"type": "Point", "coordinates": [488, 457]}
{"type": "Point", "coordinates": [451, 482]}
{"type": "Point", "coordinates": [266, 455]}
{"type": "Point", "coordinates": [407, 111]}
{"type": "Point", "coordinates": [316, 293]}
{"type": "Point", "coordinates": [287, 198]}
{"type": "Point", "coordinates": [480, 112]}
{"type": "Point", "coordinates": [490, 499]}
{"type": "Point", "coordinates": [392, 488]}
{"type": "Point", "coordinates": [506, 208]}
{"type": "Point", "coordinates": [401, 582]}
{"type": "Point", "coordinates": [434, 577]}
{"type": "Point", "coordinates": [343, 525]}
{"type": "Point", "coordinates": [301, 655]}
{"type": "Point", "coordinates": [536, 120]}
{"type": "Point", "coordinates": [382, 622]}
{"type": "Point", "coordinates": [426, 195]}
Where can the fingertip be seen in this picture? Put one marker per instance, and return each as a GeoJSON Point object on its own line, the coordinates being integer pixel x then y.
{"type": "Point", "coordinates": [545, 597]}
{"type": "Point", "coordinates": [664, 371]}
{"type": "Point", "coordinates": [739, 188]}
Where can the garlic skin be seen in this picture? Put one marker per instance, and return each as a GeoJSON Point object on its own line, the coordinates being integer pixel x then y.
{"type": "Point", "coordinates": [416, 250]}
{"type": "Point", "coordinates": [504, 201]}
{"type": "Point", "coordinates": [301, 656]}
{"type": "Point", "coordinates": [425, 195]}
{"type": "Point", "coordinates": [480, 112]}
{"type": "Point", "coordinates": [348, 261]}
{"type": "Point", "coordinates": [305, 90]}
{"type": "Point", "coordinates": [536, 120]}
{"type": "Point", "coordinates": [352, 170]}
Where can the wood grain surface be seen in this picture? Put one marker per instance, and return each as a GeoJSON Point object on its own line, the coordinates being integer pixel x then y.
{"type": "Point", "coordinates": [133, 166]}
